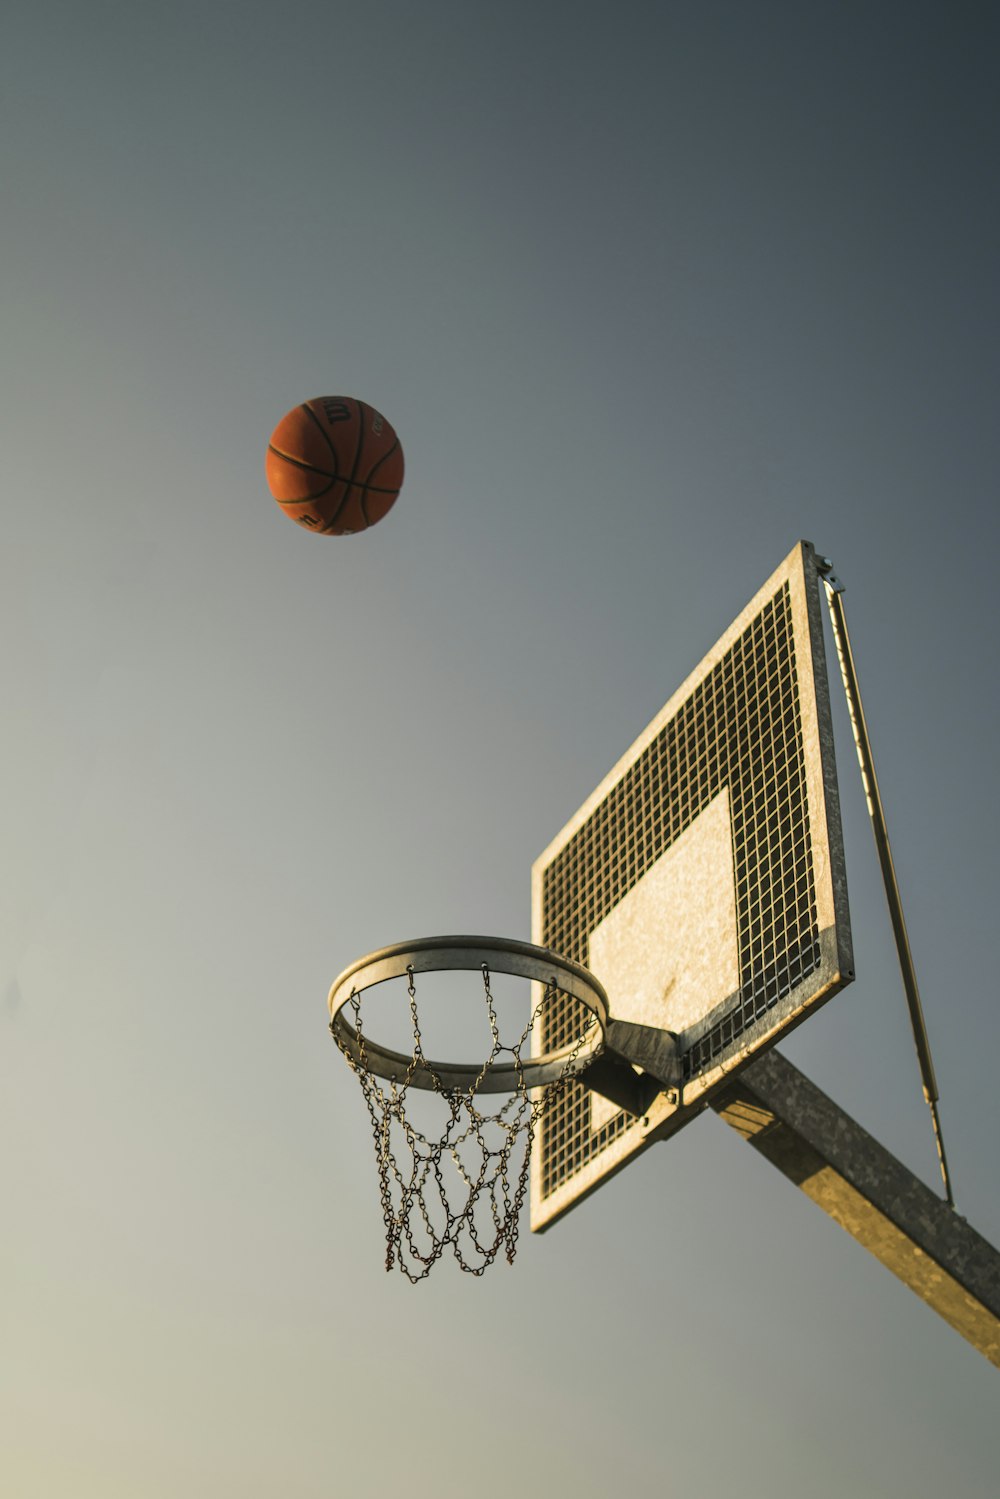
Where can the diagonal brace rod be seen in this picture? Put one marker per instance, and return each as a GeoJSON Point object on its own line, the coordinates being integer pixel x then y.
{"type": "Point", "coordinates": [834, 595]}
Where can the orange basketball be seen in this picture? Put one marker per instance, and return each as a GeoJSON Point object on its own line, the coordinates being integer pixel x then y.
{"type": "Point", "coordinates": [334, 465]}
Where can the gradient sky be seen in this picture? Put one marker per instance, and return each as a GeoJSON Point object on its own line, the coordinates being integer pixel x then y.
{"type": "Point", "coordinates": [649, 292]}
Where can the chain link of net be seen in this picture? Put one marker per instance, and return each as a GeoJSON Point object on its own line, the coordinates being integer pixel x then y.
{"type": "Point", "coordinates": [420, 1223]}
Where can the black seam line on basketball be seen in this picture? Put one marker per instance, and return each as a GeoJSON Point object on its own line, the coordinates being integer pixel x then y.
{"type": "Point", "coordinates": [310, 468]}
{"type": "Point", "coordinates": [362, 414]}
{"type": "Point", "coordinates": [323, 433]}
{"type": "Point", "coordinates": [357, 483]}
{"type": "Point", "coordinates": [335, 517]}
{"type": "Point", "coordinates": [331, 525]}
{"type": "Point", "coordinates": [379, 461]}
{"type": "Point", "coordinates": [317, 494]}
{"type": "Point", "coordinates": [328, 529]}
{"type": "Point", "coordinates": [297, 462]}
{"type": "Point", "coordinates": [363, 487]}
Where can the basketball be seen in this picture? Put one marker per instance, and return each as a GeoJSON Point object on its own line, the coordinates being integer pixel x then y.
{"type": "Point", "coordinates": [335, 465]}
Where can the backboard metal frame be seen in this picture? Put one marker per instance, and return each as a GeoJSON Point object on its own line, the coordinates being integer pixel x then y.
{"type": "Point", "coordinates": [737, 772]}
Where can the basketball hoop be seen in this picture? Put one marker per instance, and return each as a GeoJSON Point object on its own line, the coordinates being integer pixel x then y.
{"type": "Point", "coordinates": [476, 1145]}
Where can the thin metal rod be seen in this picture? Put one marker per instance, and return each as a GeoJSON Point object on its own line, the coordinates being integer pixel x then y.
{"type": "Point", "coordinates": [834, 595]}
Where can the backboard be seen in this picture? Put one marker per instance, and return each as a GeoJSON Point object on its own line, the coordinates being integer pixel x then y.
{"type": "Point", "coordinates": [703, 882]}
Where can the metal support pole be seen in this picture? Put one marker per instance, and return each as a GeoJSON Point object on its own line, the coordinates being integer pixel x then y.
{"type": "Point", "coordinates": [834, 594]}
{"type": "Point", "coordinates": [880, 1203]}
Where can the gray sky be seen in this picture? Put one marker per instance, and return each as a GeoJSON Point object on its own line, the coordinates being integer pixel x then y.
{"type": "Point", "coordinates": [648, 292]}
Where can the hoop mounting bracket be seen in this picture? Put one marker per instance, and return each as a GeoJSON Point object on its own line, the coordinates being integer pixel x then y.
{"type": "Point", "coordinates": [629, 1046]}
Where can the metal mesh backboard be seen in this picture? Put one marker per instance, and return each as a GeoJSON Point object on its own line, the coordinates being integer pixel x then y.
{"type": "Point", "coordinates": [703, 882]}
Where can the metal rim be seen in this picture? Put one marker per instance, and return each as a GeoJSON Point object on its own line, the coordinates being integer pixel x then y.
{"type": "Point", "coordinates": [500, 955]}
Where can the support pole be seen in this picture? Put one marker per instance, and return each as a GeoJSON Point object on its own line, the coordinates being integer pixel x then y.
{"type": "Point", "coordinates": [854, 1179]}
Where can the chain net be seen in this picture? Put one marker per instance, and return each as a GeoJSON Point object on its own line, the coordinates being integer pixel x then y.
{"type": "Point", "coordinates": [482, 1156]}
